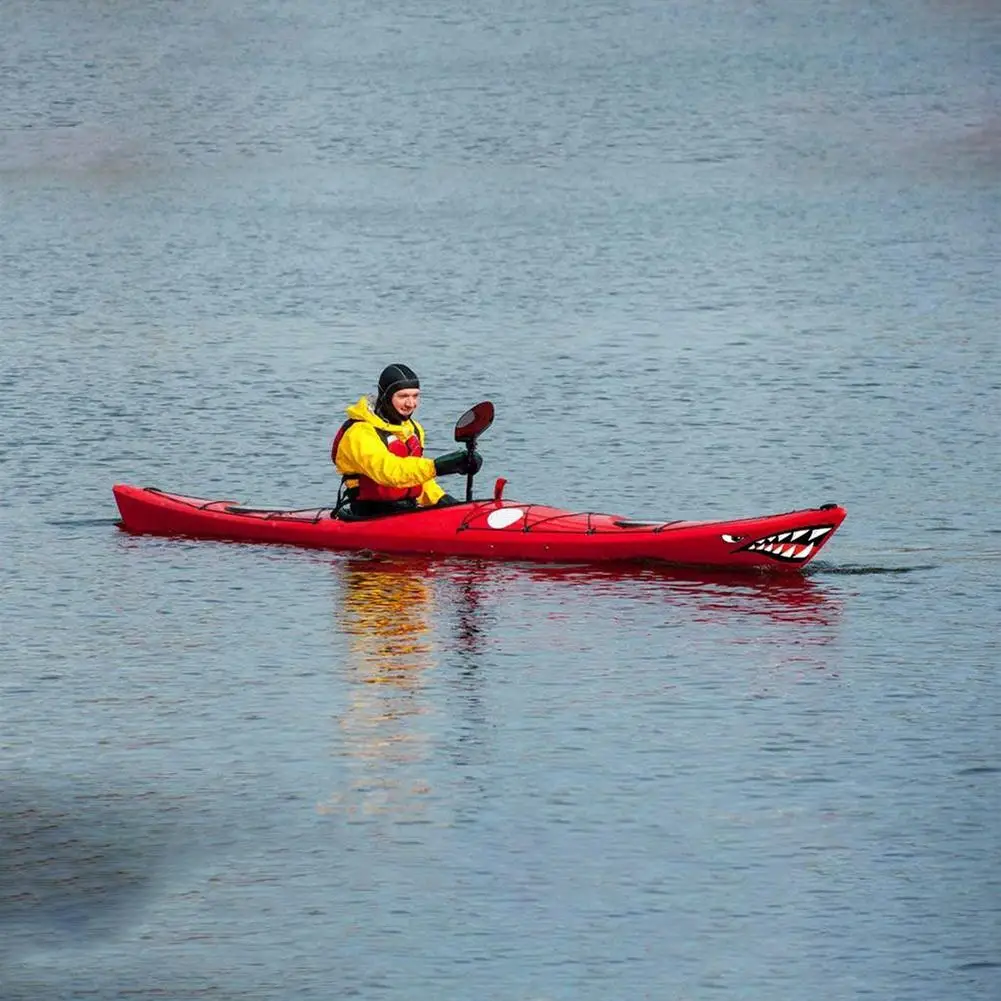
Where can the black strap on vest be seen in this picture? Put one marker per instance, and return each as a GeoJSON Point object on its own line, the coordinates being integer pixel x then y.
{"type": "Point", "coordinates": [344, 492]}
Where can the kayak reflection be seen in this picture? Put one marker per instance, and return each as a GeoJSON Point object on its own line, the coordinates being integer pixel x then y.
{"type": "Point", "coordinates": [387, 599]}
{"type": "Point", "coordinates": [710, 594]}
{"type": "Point", "coordinates": [417, 630]}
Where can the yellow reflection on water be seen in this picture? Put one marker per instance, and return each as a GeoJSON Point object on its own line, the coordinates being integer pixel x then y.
{"type": "Point", "coordinates": [385, 612]}
{"type": "Point", "coordinates": [384, 609]}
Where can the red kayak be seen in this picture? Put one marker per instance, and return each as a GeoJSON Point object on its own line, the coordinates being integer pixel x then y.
{"type": "Point", "coordinates": [494, 528]}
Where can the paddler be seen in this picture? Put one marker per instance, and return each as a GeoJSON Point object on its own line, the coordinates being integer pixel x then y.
{"type": "Point", "coordinates": [379, 452]}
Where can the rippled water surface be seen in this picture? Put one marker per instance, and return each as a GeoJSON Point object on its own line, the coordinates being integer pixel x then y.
{"type": "Point", "coordinates": [708, 260]}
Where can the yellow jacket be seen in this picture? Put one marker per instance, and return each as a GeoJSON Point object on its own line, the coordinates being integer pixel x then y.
{"type": "Point", "coordinates": [361, 451]}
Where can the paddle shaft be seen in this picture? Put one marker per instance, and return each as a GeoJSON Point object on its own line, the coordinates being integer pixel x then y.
{"type": "Point", "coordinates": [470, 448]}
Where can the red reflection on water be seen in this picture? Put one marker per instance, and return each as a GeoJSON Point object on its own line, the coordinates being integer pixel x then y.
{"type": "Point", "coordinates": [711, 593]}
{"type": "Point", "coordinates": [388, 597]}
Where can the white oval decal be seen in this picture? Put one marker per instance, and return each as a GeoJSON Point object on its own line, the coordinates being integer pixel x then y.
{"type": "Point", "coordinates": [505, 517]}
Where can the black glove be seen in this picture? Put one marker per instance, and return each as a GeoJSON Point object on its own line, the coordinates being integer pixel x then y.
{"type": "Point", "coordinates": [447, 500]}
{"type": "Point", "coordinates": [458, 462]}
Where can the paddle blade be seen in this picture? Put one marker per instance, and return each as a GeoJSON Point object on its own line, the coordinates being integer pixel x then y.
{"type": "Point", "coordinates": [474, 422]}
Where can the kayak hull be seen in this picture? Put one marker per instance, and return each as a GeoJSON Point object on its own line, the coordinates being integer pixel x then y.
{"type": "Point", "coordinates": [495, 529]}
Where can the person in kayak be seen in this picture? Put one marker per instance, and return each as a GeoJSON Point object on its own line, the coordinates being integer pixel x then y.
{"type": "Point", "coordinates": [379, 452]}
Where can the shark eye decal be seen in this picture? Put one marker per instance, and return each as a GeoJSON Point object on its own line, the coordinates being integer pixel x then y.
{"type": "Point", "coordinates": [731, 538]}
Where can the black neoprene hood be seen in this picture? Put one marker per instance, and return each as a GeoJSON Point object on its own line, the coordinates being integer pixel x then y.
{"type": "Point", "coordinates": [394, 378]}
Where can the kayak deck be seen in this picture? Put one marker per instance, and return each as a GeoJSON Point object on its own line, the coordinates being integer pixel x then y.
{"type": "Point", "coordinates": [495, 529]}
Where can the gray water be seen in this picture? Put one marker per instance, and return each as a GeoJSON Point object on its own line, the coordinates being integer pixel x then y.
{"type": "Point", "coordinates": [708, 260]}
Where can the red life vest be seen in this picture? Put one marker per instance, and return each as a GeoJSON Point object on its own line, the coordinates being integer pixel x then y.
{"type": "Point", "coordinates": [362, 488]}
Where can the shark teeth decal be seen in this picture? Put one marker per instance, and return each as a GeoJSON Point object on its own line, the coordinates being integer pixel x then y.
{"type": "Point", "coordinates": [793, 546]}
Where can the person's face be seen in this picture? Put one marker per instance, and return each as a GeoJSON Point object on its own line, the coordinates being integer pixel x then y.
{"type": "Point", "coordinates": [405, 401]}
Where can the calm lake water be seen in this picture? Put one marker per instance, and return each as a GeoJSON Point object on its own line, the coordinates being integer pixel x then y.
{"type": "Point", "coordinates": [708, 260]}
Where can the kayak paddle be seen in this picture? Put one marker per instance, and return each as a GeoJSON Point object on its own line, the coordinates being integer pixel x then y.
{"type": "Point", "coordinates": [468, 428]}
